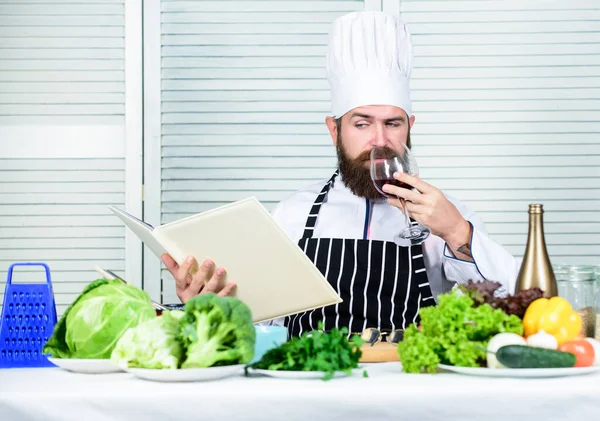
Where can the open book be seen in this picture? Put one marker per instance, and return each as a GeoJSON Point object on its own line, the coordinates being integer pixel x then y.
{"type": "Point", "coordinates": [273, 275]}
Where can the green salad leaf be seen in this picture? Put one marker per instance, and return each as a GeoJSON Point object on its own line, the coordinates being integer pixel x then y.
{"type": "Point", "coordinates": [484, 292]}
{"type": "Point", "coordinates": [151, 344]}
{"type": "Point", "coordinates": [454, 332]}
{"type": "Point", "coordinates": [328, 352]}
{"type": "Point", "coordinates": [93, 323]}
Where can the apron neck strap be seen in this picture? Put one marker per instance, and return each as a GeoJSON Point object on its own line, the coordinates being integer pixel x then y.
{"type": "Point", "coordinates": [311, 220]}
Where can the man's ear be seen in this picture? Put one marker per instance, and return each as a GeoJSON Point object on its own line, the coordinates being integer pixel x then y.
{"type": "Point", "coordinates": [411, 120]}
{"type": "Point", "coordinates": [332, 127]}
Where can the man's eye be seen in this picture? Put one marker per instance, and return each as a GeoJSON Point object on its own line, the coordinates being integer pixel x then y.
{"type": "Point", "coordinates": [393, 124]}
{"type": "Point", "coordinates": [361, 125]}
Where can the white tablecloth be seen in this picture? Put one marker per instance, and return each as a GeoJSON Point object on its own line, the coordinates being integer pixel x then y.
{"type": "Point", "coordinates": [53, 394]}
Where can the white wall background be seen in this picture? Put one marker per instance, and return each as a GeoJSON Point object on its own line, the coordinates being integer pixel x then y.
{"type": "Point", "coordinates": [506, 94]}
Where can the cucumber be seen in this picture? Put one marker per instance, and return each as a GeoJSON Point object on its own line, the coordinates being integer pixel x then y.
{"type": "Point", "coordinates": [522, 356]}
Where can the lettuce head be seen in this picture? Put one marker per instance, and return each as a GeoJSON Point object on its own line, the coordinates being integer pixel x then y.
{"type": "Point", "coordinates": [152, 344]}
{"type": "Point", "coordinates": [92, 325]}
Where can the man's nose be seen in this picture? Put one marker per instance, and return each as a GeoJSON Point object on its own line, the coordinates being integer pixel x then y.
{"type": "Point", "coordinates": [379, 136]}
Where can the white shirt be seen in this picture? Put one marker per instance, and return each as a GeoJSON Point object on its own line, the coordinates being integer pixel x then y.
{"type": "Point", "coordinates": [343, 216]}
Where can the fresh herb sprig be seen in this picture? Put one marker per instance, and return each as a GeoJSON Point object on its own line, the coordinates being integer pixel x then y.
{"type": "Point", "coordinates": [329, 352]}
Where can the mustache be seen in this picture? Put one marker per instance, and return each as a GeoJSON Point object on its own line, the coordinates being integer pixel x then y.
{"type": "Point", "coordinates": [364, 156]}
{"type": "Point", "coordinates": [386, 152]}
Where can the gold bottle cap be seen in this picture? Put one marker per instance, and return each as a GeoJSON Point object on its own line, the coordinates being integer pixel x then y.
{"type": "Point", "coordinates": [536, 208]}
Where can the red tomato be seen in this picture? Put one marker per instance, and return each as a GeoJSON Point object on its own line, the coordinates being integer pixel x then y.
{"type": "Point", "coordinates": [583, 351]}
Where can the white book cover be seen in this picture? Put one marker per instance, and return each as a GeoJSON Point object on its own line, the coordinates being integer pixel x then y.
{"type": "Point", "coordinates": [273, 275]}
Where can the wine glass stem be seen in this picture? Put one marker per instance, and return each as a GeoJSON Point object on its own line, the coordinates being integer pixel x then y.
{"type": "Point", "coordinates": [403, 201]}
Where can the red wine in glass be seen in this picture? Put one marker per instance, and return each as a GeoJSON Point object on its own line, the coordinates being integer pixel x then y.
{"type": "Point", "coordinates": [384, 163]}
{"type": "Point", "coordinates": [379, 183]}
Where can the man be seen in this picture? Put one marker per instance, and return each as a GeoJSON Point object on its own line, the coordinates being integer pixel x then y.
{"type": "Point", "coordinates": [346, 227]}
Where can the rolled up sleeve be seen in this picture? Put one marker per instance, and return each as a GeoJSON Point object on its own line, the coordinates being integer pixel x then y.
{"type": "Point", "coordinates": [491, 261]}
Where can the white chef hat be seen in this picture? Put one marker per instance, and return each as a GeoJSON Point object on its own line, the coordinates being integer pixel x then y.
{"type": "Point", "coordinates": [369, 62]}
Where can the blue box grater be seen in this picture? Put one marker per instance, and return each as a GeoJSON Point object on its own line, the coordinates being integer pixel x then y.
{"type": "Point", "coordinates": [28, 320]}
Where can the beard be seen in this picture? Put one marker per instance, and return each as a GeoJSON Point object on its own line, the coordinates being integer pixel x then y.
{"type": "Point", "coordinates": [356, 173]}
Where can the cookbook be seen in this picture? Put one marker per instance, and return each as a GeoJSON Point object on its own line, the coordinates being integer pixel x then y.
{"type": "Point", "coordinates": [273, 275]}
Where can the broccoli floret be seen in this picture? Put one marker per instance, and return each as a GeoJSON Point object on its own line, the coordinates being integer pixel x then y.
{"type": "Point", "coordinates": [216, 331]}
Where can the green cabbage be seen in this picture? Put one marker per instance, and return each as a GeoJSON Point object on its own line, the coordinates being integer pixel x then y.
{"type": "Point", "coordinates": [95, 321]}
{"type": "Point", "coordinates": [152, 344]}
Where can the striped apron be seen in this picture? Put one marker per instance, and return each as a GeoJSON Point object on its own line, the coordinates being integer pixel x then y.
{"type": "Point", "coordinates": [381, 284]}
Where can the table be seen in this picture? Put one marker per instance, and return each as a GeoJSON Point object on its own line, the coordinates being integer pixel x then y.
{"type": "Point", "coordinates": [51, 394]}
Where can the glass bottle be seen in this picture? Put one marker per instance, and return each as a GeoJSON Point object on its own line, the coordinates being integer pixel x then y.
{"type": "Point", "coordinates": [536, 269]}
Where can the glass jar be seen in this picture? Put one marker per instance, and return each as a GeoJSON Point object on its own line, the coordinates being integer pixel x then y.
{"type": "Point", "coordinates": [577, 284]}
{"type": "Point", "coordinates": [597, 302]}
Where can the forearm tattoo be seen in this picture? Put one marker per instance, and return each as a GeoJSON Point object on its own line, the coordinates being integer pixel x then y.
{"type": "Point", "coordinates": [465, 249]}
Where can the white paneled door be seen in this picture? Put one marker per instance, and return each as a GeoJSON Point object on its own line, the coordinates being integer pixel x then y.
{"type": "Point", "coordinates": [65, 153]}
{"type": "Point", "coordinates": [507, 103]}
{"type": "Point", "coordinates": [236, 100]}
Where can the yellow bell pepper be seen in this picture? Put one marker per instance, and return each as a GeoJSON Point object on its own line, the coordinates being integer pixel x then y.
{"type": "Point", "coordinates": [554, 316]}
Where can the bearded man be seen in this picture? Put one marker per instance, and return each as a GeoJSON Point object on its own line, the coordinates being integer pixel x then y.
{"type": "Point", "coordinates": [347, 228]}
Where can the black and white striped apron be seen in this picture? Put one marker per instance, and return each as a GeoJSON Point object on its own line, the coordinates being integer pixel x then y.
{"type": "Point", "coordinates": [381, 284]}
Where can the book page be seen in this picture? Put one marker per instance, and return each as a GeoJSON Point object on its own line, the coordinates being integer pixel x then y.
{"type": "Point", "coordinates": [273, 275]}
{"type": "Point", "coordinates": [144, 231]}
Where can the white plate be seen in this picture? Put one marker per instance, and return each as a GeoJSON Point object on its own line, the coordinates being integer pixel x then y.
{"type": "Point", "coordinates": [187, 374]}
{"type": "Point", "coordinates": [521, 372]}
{"type": "Point", "coordinates": [283, 374]}
{"type": "Point", "coordinates": [87, 366]}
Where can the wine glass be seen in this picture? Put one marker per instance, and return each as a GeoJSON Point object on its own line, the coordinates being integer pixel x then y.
{"type": "Point", "coordinates": [384, 163]}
